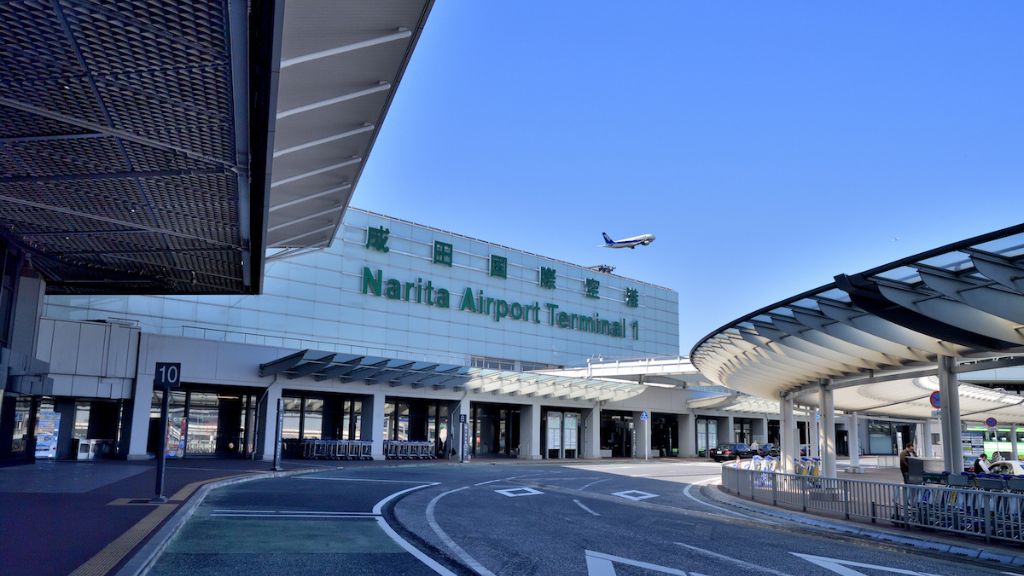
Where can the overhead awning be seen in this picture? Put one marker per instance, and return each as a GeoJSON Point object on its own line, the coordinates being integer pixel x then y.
{"type": "Point", "coordinates": [125, 143]}
{"type": "Point", "coordinates": [341, 63]}
{"type": "Point", "coordinates": [394, 373]}
{"type": "Point", "coordinates": [888, 324]}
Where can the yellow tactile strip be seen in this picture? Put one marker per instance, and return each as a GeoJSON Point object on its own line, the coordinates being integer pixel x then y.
{"type": "Point", "coordinates": [111, 555]}
{"type": "Point", "coordinates": [114, 552]}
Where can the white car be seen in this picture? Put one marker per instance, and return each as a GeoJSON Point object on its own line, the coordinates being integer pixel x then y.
{"type": "Point", "coordinates": [1006, 467]}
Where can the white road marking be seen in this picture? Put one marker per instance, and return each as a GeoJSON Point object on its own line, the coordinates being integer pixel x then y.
{"type": "Point", "coordinates": [419, 555]}
{"type": "Point", "coordinates": [599, 564]}
{"type": "Point", "coordinates": [686, 492]}
{"type": "Point", "coordinates": [366, 480]}
{"type": "Point", "coordinates": [729, 559]}
{"type": "Point", "coordinates": [585, 486]}
{"type": "Point", "coordinates": [842, 567]}
{"type": "Point", "coordinates": [516, 492]}
{"type": "Point", "coordinates": [320, 512]}
{"type": "Point", "coordinates": [286, 515]}
{"type": "Point", "coordinates": [584, 506]}
{"type": "Point", "coordinates": [493, 481]}
{"type": "Point", "coordinates": [462, 554]}
{"type": "Point", "coordinates": [634, 495]}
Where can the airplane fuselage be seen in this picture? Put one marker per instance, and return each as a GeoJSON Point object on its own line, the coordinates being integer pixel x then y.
{"type": "Point", "coordinates": [632, 242]}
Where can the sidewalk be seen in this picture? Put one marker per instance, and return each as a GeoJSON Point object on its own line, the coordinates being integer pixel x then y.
{"type": "Point", "coordinates": [996, 552]}
{"type": "Point", "coordinates": [59, 517]}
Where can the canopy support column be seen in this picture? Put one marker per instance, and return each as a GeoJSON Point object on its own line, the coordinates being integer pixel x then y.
{"type": "Point", "coordinates": [789, 439]}
{"type": "Point", "coordinates": [952, 456]}
{"type": "Point", "coordinates": [828, 430]}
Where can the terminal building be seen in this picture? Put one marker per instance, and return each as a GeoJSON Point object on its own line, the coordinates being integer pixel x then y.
{"type": "Point", "coordinates": [392, 333]}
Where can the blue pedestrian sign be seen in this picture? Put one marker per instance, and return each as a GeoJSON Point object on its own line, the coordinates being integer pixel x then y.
{"type": "Point", "coordinates": [644, 416]}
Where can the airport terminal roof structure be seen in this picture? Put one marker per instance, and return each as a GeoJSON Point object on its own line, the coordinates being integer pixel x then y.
{"type": "Point", "coordinates": [875, 337]}
{"type": "Point", "coordinates": [161, 147]}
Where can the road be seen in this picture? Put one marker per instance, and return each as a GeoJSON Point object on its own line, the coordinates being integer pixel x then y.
{"type": "Point", "coordinates": [595, 520]}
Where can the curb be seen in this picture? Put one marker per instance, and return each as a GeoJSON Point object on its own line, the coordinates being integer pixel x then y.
{"type": "Point", "coordinates": [141, 562]}
{"type": "Point", "coordinates": [957, 551]}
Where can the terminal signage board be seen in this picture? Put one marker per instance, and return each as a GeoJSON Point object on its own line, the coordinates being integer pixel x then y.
{"type": "Point", "coordinates": [167, 375]}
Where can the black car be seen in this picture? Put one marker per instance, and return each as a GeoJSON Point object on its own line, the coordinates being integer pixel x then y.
{"type": "Point", "coordinates": [767, 450]}
{"type": "Point", "coordinates": [730, 451]}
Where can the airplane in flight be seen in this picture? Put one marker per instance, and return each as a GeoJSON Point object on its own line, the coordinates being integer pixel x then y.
{"type": "Point", "coordinates": [641, 240]}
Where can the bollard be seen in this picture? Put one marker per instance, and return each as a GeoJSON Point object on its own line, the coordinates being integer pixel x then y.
{"type": "Point", "coordinates": [873, 515]}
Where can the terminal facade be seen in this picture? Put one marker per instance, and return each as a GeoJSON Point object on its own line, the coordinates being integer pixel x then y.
{"type": "Point", "coordinates": [399, 294]}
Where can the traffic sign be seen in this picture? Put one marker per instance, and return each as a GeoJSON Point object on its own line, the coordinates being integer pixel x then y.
{"type": "Point", "coordinates": [990, 422]}
{"type": "Point", "coordinates": [643, 416]}
{"type": "Point", "coordinates": [935, 399]}
{"type": "Point", "coordinates": [168, 374]}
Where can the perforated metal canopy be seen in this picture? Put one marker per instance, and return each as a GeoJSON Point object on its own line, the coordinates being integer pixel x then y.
{"type": "Point", "coordinates": [334, 366]}
{"type": "Point", "coordinates": [882, 328]}
{"type": "Point", "coordinates": [341, 63]}
{"type": "Point", "coordinates": [125, 142]}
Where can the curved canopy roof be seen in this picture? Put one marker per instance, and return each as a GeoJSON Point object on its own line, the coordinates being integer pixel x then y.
{"type": "Point", "coordinates": [887, 324]}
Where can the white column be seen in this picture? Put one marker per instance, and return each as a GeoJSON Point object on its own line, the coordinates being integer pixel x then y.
{"type": "Point", "coordinates": [687, 435]}
{"type": "Point", "coordinates": [813, 437]}
{"type": "Point", "coordinates": [828, 429]}
{"type": "Point", "coordinates": [591, 432]}
{"type": "Point", "coordinates": [789, 437]}
{"type": "Point", "coordinates": [529, 431]}
{"type": "Point", "coordinates": [853, 438]}
{"type": "Point", "coordinates": [142, 401]}
{"type": "Point", "coordinates": [949, 393]}
{"type": "Point", "coordinates": [268, 431]}
{"type": "Point", "coordinates": [925, 443]}
{"type": "Point", "coordinates": [730, 430]}
{"type": "Point", "coordinates": [762, 438]}
{"type": "Point", "coordinates": [1013, 442]}
{"type": "Point", "coordinates": [373, 423]}
{"type": "Point", "coordinates": [455, 410]}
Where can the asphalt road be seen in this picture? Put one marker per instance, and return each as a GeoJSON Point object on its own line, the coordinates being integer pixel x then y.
{"type": "Point", "coordinates": [596, 520]}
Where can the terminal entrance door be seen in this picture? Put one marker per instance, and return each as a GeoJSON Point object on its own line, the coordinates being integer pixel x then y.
{"type": "Point", "coordinates": [617, 434]}
{"type": "Point", "coordinates": [495, 430]}
{"type": "Point", "coordinates": [664, 434]}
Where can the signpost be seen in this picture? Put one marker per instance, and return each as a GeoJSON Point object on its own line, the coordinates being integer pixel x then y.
{"type": "Point", "coordinates": [465, 437]}
{"type": "Point", "coordinates": [280, 429]}
{"type": "Point", "coordinates": [166, 377]}
{"type": "Point", "coordinates": [991, 422]}
{"type": "Point", "coordinates": [936, 400]}
{"type": "Point", "coordinates": [645, 418]}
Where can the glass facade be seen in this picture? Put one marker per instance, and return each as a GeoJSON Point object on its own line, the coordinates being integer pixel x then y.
{"type": "Point", "coordinates": [324, 301]}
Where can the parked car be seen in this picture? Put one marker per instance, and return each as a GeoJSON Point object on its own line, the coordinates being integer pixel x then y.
{"type": "Point", "coordinates": [730, 451]}
{"type": "Point", "coordinates": [1006, 467]}
{"type": "Point", "coordinates": [768, 449]}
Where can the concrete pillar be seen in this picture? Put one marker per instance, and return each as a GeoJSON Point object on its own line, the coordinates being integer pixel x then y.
{"type": "Point", "coordinates": [925, 442]}
{"type": "Point", "coordinates": [456, 409]}
{"type": "Point", "coordinates": [687, 435]}
{"type": "Point", "coordinates": [372, 423]}
{"type": "Point", "coordinates": [762, 434]}
{"type": "Point", "coordinates": [642, 448]}
{"type": "Point", "coordinates": [591, 432]}
{"type": "Point", "coordinates": [787, 430]}
{"type": "Point", "coordinates": [730, 430]}
{"type": "Point", "coordinates": [813, 436]}
{"type": "Point", "coordinates": [28, 309]}
{"type": "Point", "coordinates": [949, 393]}
{"type": "Point", "coordinates": [1013, 443]}
{"type": "Point", "coordinates": [853, 437]}
{"type": "Point", "coordinates": [828, 429]}
{"type": "Point", "coordinates": [268, 430]}
{"type": "Point", "coordinates": [142, 401]}
{"type": "Point", "coordinates": [529, 431]}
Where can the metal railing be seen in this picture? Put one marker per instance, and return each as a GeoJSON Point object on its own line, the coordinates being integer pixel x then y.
{"type": "Point", "coordinates": [991, 514]}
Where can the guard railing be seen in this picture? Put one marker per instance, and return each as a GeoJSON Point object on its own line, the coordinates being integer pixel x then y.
{"type": "Point", "coordinates": [996, 513]}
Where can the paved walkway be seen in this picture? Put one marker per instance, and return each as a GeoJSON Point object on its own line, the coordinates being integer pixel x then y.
{"type": "Point", "coordinates": [59, 517]}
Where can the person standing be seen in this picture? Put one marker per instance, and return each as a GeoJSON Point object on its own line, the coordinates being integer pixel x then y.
{"type": "Point", "coordinates": [908, 452]}
{"type": "Point", "coordinates": [981, 464]}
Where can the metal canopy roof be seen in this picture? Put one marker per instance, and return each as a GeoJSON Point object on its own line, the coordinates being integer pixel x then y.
{"type": "Point", "coordinates": [964, 300]}
{"type": "Point", "coordinates": [124, 143]}
{"type": "Point", "coordinates": [341, 63]}
{"type": "Point", "coordinates": [323, 366]}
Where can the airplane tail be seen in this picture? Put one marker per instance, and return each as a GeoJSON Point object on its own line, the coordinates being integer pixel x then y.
{"type": "Point", "coordinates": [607, 239]}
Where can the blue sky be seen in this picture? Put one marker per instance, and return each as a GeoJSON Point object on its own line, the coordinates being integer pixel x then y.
{"type": "Point", "coordinates": [769, 146]}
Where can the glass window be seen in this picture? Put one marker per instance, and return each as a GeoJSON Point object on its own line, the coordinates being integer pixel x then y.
{"type": "Point", "coordinates": [292, 418]}
{"type": "Point", "coordinates": [81, 430]}
{"type": "Point", "coordinates": [312, 424]}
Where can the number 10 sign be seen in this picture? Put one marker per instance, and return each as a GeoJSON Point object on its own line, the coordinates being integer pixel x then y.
{"type": "Point", "coordinates": [168, 374]}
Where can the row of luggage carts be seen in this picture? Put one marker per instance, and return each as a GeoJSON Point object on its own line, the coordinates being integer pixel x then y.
{"type": "Point", "coordinates": [399, 450]}
{"type": "Point", "coordinates": [990, 505]}
{"type": "Point", "coordinates": [337, 450]}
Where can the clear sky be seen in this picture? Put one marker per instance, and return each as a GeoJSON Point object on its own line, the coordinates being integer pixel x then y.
{"type": "Point", "coordinates": [769, 146]}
